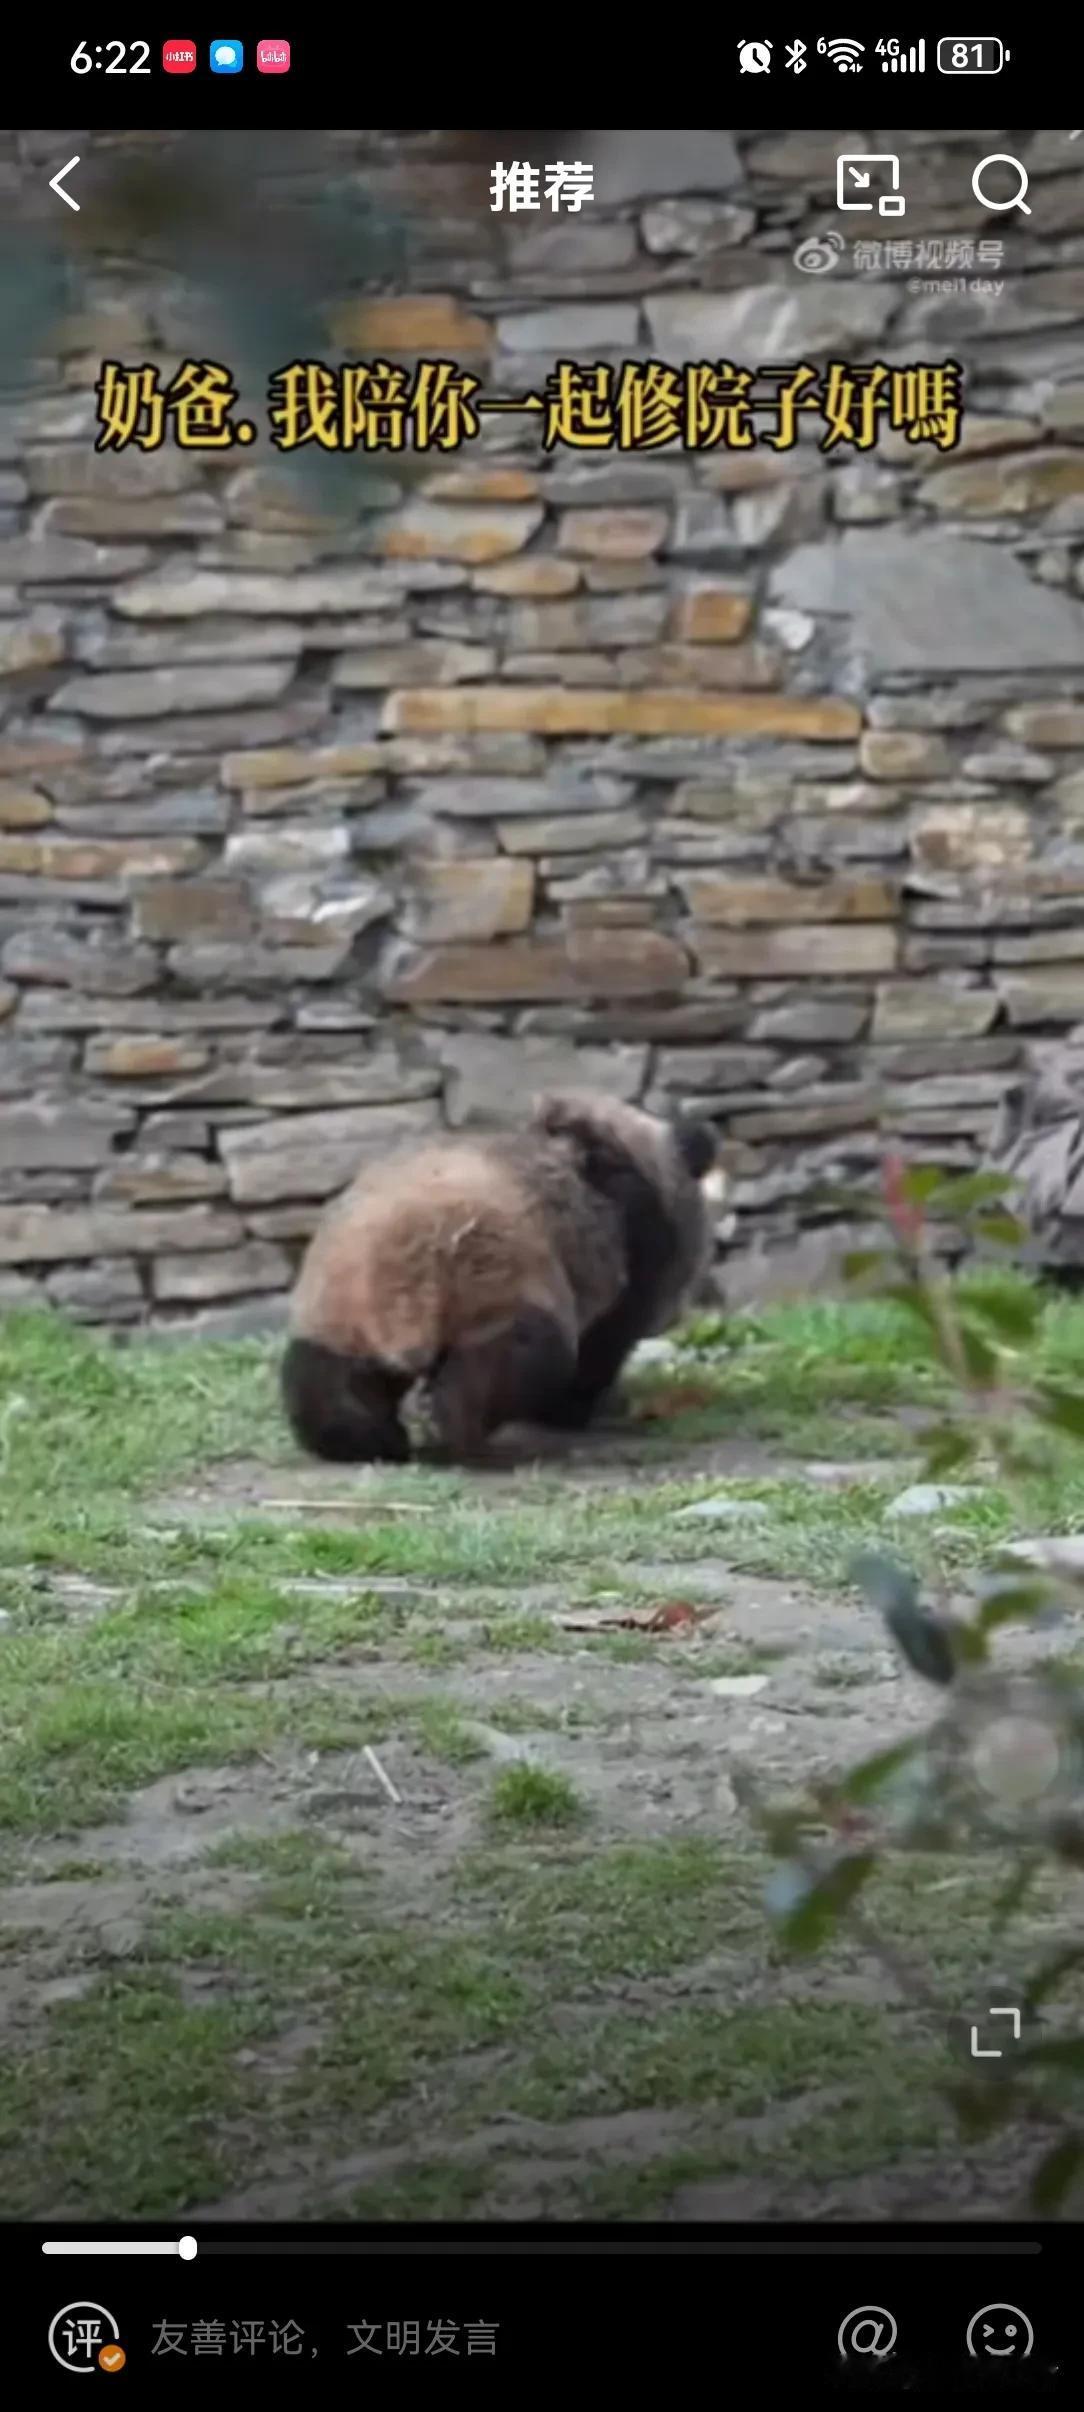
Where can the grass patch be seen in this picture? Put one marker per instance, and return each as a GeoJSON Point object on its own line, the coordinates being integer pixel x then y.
{"type": "Point", "coordinates": [426, 2190]}
{"type": "Point", "coordinates": [67, 1871]}
{"type": "Point", "coordinates": [119, 1419]}
{"type": "Point", "coordinates": [533, 1796]}
{"type": "Point", "coordinates": [514, 1632]}
{"type": "Point", "coordinates": [743, 2060]}
{"type": "Point", "coordinates": [129, 2103]}
{"type": "Point", "coordinates": [297, 1853]}
{"type": "Point", "coordinates": [634, 1910]}
{"type": "Point", "coordinates": [446, 1734]}
{"type": "Point", "coordinates": [92, 1712]}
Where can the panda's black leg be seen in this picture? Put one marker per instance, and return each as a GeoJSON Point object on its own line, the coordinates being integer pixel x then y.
{"type": "Point", "coordinates": [511, 1377]}
{"type": "Point", "coordinates": [603, 1351]}
{"type": "Point", "coordinates": [345, 1409]}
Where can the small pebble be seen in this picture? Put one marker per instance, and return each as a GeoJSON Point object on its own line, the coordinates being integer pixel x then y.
{"type": "Point", "coordinates": [929, 1498]}
{"type": "Point", "coordinates": [1062, 1552]}
{"type": "Point", "coordinates": [720, 1511]}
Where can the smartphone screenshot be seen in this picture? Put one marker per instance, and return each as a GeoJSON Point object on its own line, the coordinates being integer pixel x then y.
{"type": "Point", "coordinates": [541, 1216]}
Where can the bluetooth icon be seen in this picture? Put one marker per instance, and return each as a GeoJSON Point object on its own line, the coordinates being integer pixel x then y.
{"type": "Point", "coordinates": [795, 58]}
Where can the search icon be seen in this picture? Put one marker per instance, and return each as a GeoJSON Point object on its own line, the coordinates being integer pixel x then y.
{"type": "Point", "coordinates": [1016, 200]}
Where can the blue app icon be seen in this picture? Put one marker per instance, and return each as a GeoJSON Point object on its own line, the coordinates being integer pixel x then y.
{"type": "Point", "coordinates": [227, 58]}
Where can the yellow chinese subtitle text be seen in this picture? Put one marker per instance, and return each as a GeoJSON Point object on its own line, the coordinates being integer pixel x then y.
{"type": "Point", "coordinates": [639, 406]}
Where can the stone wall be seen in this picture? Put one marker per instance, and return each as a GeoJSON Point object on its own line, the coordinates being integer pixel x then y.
{"type": "Point", "coordinates": [751, 777]}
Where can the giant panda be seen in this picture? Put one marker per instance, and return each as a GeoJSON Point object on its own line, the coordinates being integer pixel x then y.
{"type": "Point", "coordinates": [509, 1274]}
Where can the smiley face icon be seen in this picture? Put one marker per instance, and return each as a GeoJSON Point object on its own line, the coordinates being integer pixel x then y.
{"type": "Point", "coordinates": [1000, 2332]}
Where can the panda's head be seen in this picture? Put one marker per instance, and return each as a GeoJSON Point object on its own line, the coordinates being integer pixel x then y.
{"type": "Point", "coordinates": [659, 1171]}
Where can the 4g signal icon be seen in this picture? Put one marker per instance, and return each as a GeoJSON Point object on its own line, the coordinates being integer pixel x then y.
{"type": "Point", "coordinates": [895, 61]}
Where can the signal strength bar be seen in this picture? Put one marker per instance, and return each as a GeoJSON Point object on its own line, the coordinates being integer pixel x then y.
{"type": "Point", "coordinates": [906, 62]}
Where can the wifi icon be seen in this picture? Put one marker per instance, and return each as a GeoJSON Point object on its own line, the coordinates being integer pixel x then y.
{"type": "Point", "coordinates": [847, 56]}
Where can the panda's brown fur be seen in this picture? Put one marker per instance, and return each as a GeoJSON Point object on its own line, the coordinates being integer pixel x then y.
{"type": "Point", "coordinates": [510, 1274]}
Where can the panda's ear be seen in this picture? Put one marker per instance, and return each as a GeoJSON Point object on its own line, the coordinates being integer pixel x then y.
{"type": "Point", "coordinates": [602, 1159]}
{"type": "Point", "coordinates": [697, 1145]}
{"type": "Point", "coordinates": [556, 1113]}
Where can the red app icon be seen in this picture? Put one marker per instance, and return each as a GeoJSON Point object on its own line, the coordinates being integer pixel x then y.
{"type": "Point", "coordinates": [179, 58]}
{"type": "Point", "coordinates": [273, 58]}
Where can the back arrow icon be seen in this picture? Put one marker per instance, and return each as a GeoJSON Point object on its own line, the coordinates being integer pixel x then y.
{"type": "Point", "coordinates": [56, 183]}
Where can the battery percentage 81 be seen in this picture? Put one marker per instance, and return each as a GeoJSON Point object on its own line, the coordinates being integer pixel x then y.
{"type": "Point", "coordinates": [961, 55]}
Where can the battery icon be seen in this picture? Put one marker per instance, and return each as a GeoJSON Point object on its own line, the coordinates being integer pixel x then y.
{"type": "Point", "coordinates": [982, 54]}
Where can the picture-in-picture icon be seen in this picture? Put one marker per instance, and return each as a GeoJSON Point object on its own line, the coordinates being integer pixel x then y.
{"type": "Point", "coordinates": [870, 180]}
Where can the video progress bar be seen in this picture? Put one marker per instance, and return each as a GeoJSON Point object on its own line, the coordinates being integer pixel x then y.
{"type": "Point", "coordinates": [977, 2251]}
{"type": "Point", "coordinates": [179, 2248]}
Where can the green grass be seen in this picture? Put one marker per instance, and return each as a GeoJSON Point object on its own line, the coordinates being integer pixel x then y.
{"type": "Point", "coordinates": [295, 1853]}
{"type": "Point", "coordinates": [70, 1755]}
{"type": "Point", "coordinates": [362, 2016]}
{"type": "Point", "coordinates": [129, 1424]}
{"type": "Point", "coordinates": [633, 1910]}
{"type": "Point", "coordinates": [427, 2190]}
{"type": "Point", "coordinates": [738, 2060]}
{"type": "Point", "coordinates": [533, 1796]}
{"type": "Point", "coordinates": [128, 2103]}
{"type": "Point", "coordinates": [399, 1975]}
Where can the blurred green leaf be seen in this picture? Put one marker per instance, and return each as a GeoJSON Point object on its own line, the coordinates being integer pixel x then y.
{"type": "Point", "coordinates": [1064, 1409]}
{"type": "Point", "coordinates": [1056, 2052]}
{"type": "Point", "coordinates": [924, 1643]}
{"type": "Point", "coordinates": [920, 1635]}
{"type": "Point", "coordinates": [1056, 2176]}
{"type": "Point", "coordinates": [1066, 1839]}
{"type": "Point", "coordinates": [1048, 1977]}
{"type": "Point", "coordinates": [967, 1643]}
{"type": "Point", "coordinates": [1013, 1894]}
{"type": "Point", "coordinates": [860, 1205]}
{"type": "Point", "coordinates": [808, 1908]}
{"type": "Point", "coordinates": [980, 1360]}
{"type": "Point", "coordinates": [883, 1579]}
{"type": "Point", "coordinates": [1003, 1229]}
{"type": "Point", "coordinates": [920, 1183]}
{"type": "Point", "coordinates": [864, 1781]}
{"type": "Point", "coordinates": [909, 1295]}
{"type": "Point", "coordinates": [1017, 1455]}
{"type": "Point", "coordinates": [863, 1261]}
{"type": "Point", "coordinates": [1014, 1314]}
{"type": "Point", "coordinates": [945, 1446]}
{"type": "Point", "coordinates": [1009, 1602]}
{"type": "Point", "coordinates": [981, 2107]}
{"type": "Point", "coordinates": [959, 1195]}
{"type": "Point", "coordinates": [783, 1824]}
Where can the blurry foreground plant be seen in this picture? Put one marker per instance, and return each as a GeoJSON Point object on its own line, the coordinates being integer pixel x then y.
{"type": "Point", "coordinates": [1000, 1770]}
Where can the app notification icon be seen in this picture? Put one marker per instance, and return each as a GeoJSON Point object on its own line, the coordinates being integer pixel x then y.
{"type": "Point", "coordinates": [179, 58]}
{"type": "Point", "coordinates": [227, 58]}
{"type": "Point", "coordinates": [273, 58]}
